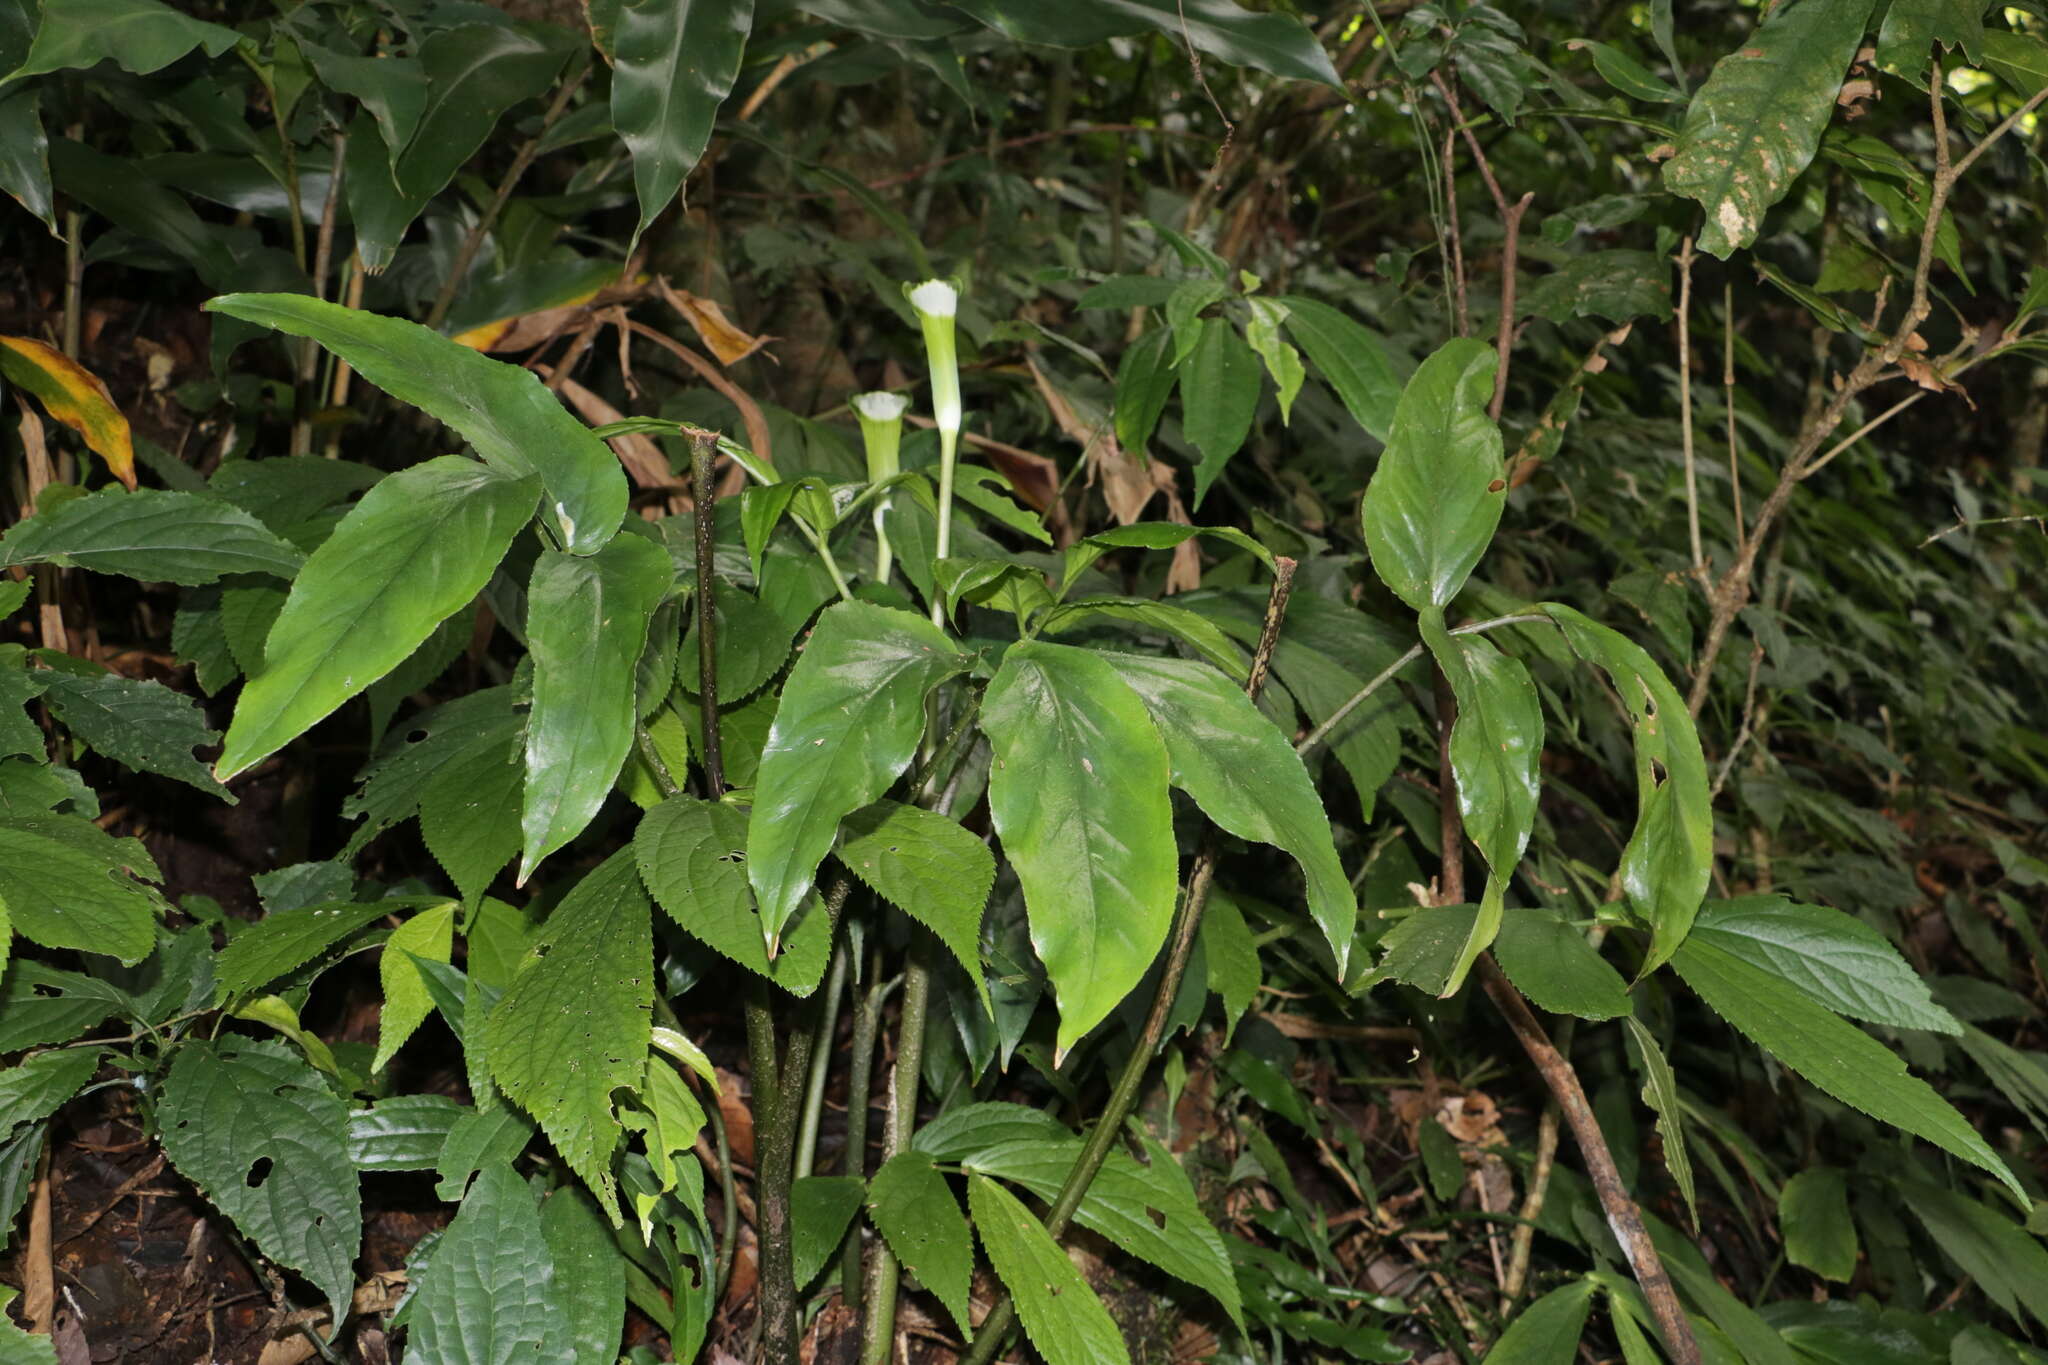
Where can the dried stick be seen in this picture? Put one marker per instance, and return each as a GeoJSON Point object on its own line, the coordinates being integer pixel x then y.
{"type": "Point", "coordinates": [1511, 246]}
{"type": "Point", "coordinates": [1692, 482]}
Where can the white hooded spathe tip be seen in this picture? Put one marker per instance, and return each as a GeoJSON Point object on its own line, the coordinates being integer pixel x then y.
{"type": "Point", "coordinates": [881, 406]}
{"type": "Point", "coordinates": [935, 298]}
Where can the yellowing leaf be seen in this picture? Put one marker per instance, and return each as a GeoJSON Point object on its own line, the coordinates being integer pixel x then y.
{"type": "Point", "coordinates": [74, 396]}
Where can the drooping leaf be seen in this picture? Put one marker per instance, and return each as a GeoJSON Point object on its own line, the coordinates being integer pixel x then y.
{"type": "Point", "coordinates": [821, 1208]}
{"type": "Point", "coordinates": [1147, 1209]}
{"type": "Point", "coordinates": [2006, 1262]}
{"type": "Point", "coordinates": [483, 1297]}
{"type": "Point", "coordinates": [1670, 856]}
{"type": "Point", "coordinates": [412, 760]}
{"type": "Point", "coordinates": [379, 211]}
{"type": "Point", "coordinates": [262, 1137]}
{"type": "Point", "coordinates": [141, 724]}
{"type": "Point", "coordinates": [415, 550]}
{"type": "Point", "coordinates": [429, 934]}
{"type": "Point", "coordinates": [574, 1025]}
{"type": "Point", "coordinates": [1282, 361]}
{"type": "Point", "coordinates": [1436, 497]}
{"type": "Point", "coordinates": [25, 155]}
{"type": "Point", "coordinates": [392, 88]}
{"type": "Point", "coordinates": [1219, 396]}
{"type": "Point", "coordinates": [1079, 798]}
{"type": "Point", "coordinates": [1144, 380]}
{"type": "Point", "coordinates": [1754, 126]}
{"type": "Point", "coordinates": [2018, 59]}
{"type": "Point", "coordinates": [1245, 776]}
{"type": "Point", "coordinates": [1660, 1092]}
{"type": "Point", "coordinates": [1778, 1016]}
{"type": "Point", "coordinates": [1232, 957]}
{"type": "Point", "coordinates": [1496, 747]}
{"type": "Point", "coordinates": [915, 1211]}
{"type": "Point", "coordinates": [1813, 1217]}
{"type": "Point", "coordinates": [469, 810]}
{"type": "Point", "coordinates": [74, 396]}
{"type": "Point", "coordinates": [753, 643]}
{"type": "Point", "coordinates": [927, 866]}
{"type": "Point", "coordinates": [692, 855]}
{"type": "Point", "coordinates": [1351, 357]}
{"type": "Point", "coordinates": [1547, 1331]}
{"type": "Point", "coordinates": [673, 64]}
{"type": "Point", "coordinates": [1424, 949]}
{"type": "Point", "coordinates": [502, 410]}
{"type": "Point", "coordinates": [851, 715]}
{"type": "Point", "coordinates": [66, 883]}
{"type": "Point", "coordinates": [139, 36]}
{"type": "Point", "coordinates": [586, 624]}
{"type": "Point", "coordinates": [1550, 962]}
{"type": "Point", "coordinates": [1836, 959]}
{"type": "Point", "coordinates": [155, 536]}
{"type": "Point", "coordinates": [1620, 69]}
{"type": "Point", "coordinates": [1061, 1313]}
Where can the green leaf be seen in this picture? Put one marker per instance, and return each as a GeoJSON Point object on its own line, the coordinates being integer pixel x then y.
{"type": "Point", "coordinates": [1436, 497]}
{"type": "Point", "coordinates": [1149, 1210]}
{"type": "Point", "coordinates": [139, 36]}
{"type": "Point", "coordinates": [1755, 124]}
{"type": "Point", "coordinates": [17, 1346]}
{"type": "Point", "coordinates": [1245, 776]}
{"type": "Point", "coordinates": [1079, 798]}
{"type": "Point", "coordinates": [1547, 1331]}
{"type": "Point", "coordinates": [378, 210]}
{"type": "Point", "coordinates": [1670, 856]}
{"type": "Point", "coordinates": [851, 716]}
{"type": "Point", "coordinates": [502, 410]}
{"type": "Point", "coordinates": [2007, 1263]}
{"type": "Point", "coordinates": [753, 644]}
{"type": "Point", "coordinates": [692, 855]}
{"type": "Point", "coordinates": [393, 89]}
{"type": "Point", "coordinates": [821, 1208]}
{"type": "Point", "coordinates": [1550, 961]}
{"type": "Point", "coordinates": [1621, 70]}
{"type": "Point", "coordinates": [1165, 535]}
{"type": "Point", "coordinates": [1184, 311]}
{"type": "Point", "coordinates": [431, 743]}
{"type": "Point", "coordinates": [1440, 1160]}
{"type": "Point", "coordinates": [1232, 956]}
{"type": "Point", "coordinates": [41, 1005]}
{"type": "Point", "coordinates": [1838, 1057]}
{"type": "Point", "coordinates": [1423, 949]}
{"type": "Point", "coordinates": [279, 942]}
{"type": "Point", "coordinates": [1061, 1312]}
{"type": "Point", "coordinates": [1835, 959]}
{"type": "Point", "coordinates": [1617, 285]}
{"type": "Point", "coordinates": [491, 1134]}
{"type": "Point", "coordinates": [413, 552]}
{"type": "Point", "coordinates": [406, 1133]}
{"type": "Point", "coordinates": [1220, 28]}
{"type": "Point", "coordinates": [20, 685]}
{"type": "Point", "coordinates": [1660, 1092]}
{"type": "Point", "coordinates": [1813, 1216]}
{"type": "Point", "coordinates": [25, 177]}
{"type": "Point", "coordinates": [475, 73]}
{"type": "Point", "coordinates": [1219, 395]}
{"type": "Point", "coordinates": [1912, 27]}
{"type": "Point", "coordinates": [929, 867]}
{"type": "Point", "coordinates": [586, 624]}
{"type": "Point", "coordinates": [1352, 357]}
{"type": "Point", "coordinates": [483, 1298]}
{"type": "Point", "coordinates": [914, 1209]}
{"type": "Point", "coordinates": [65, 883]}
{"type": "Point", "coordinates": [1144, 380]}
{"type": "Point", "coordinates": [674, 62]}
{"type": "Point", "coordinates": [574, 1025]}
{"type": "Point", "coordinates": [143, 725]}
{"type": "Point", "coordinates": [39, 1086]}
{"type": "Point", "coordinates": [2018, 59]}
{"type": "Point", "coordinates": [262, 1137]}
{"type": "Point", "coordinates": [430, 934]}
{"type": "Point", "coordinates": [470, 806]}
{"type": "Point", "coordinates": [1143, 616]}
{"type": "Point", "coordinates": [1283, 362]}
{"type": "Point", "coordinates": [158, 537]}
{"type": "Point", "coordinates": [588, 1292]}
{"type": "Point", "coordinates": [1496, 748]}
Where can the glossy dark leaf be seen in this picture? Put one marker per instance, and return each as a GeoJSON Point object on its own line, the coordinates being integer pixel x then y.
{"type": "Point", "coordinates": [153, 536]}
{"type": "Point", "coordinates": [475, 72]}
{"type": "Point", "coordinates": [1219, 395]}
{"type": "Point", "coordinates": [673, 64]}
{"type": "Point", "coordinates": [1550, 961]}
{"type": "Point", "coordinates": [1219, 28]}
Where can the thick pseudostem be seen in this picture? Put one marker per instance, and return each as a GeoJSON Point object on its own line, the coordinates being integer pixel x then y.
{"type": "Point", "coordinates": [1180, 946]}
{"type": "Point", "coordinates": [1622, 1215]}
{"type": "Point", "coordinates": [774, 1102]}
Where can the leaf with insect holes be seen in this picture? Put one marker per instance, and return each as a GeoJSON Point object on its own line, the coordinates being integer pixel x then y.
{"type": "Point", "coordinates": [261, 1135]}
{"type": "Point", "coordinates": [929, 867]}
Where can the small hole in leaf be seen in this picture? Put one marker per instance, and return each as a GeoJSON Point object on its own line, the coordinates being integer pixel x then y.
{"type": "Point", "coordinates": [1158, 1218]}
{"type": "Point", "coordinates": [258, 1173]}
{"type": "Point", "coordinates": [1656, 773]}
{"type": "Point", "coordinates": [415, 736]}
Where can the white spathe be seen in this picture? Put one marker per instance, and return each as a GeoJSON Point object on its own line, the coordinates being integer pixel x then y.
{"type": "Point", "coordinates": [881, 406]}
{"type": "Point", "coordinates": [935, 298]}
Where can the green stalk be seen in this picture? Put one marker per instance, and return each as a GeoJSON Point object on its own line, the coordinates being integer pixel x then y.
{"type": "Point", "coordinates": [821, 1056]}
{"type": "Point", "coordinates": [936, 302]}
{"type": "Point", "coordinates": [1187, 920]}
{"type": "Point", "coordinates": [867, 1029]}
{"type": "Point", "coordinates": [879, 1329]}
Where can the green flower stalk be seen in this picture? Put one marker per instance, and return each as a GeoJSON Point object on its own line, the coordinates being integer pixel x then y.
{"type": "Point", "coordinates": [936, 301]}
{"type": "Point", "coordinates": [881, 429]}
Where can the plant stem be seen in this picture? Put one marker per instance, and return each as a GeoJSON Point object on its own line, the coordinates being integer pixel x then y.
{"type": "Point", "coordinates": [821, 1056]}
{"type": "Point", "coordinates": [867, 1029]}
{"type": "Point", "coordinates": [704, 494]}
{"type": "Point", "coordinates": [879, 1329]}
{"type": "Point", "coordinates": [1317, 736]}
{"type": "Point", "coordinates": [996, 1326]}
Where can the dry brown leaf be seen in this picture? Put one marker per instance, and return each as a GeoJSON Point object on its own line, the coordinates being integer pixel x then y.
{"type": "Point", "coordinates": [1931, 379]}
{"type": "Point", "coordinates": [713, 328]}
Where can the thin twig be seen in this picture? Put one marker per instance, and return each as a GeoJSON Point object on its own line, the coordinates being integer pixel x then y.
{"type": "Point", "coordinates": [1749, 716]}
{"type": "Point", "coordinates": [1311, 741]}
{"type": "Point", "coordinates": [1511, 227]}
{"type": "Point", "coordinates": [323, 256]}
{"type": "Point", "coordinates": [1692, 483]}
{"type": "Point", "coordinates": [1728, 405]}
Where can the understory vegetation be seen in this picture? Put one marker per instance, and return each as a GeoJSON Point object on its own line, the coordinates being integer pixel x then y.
{"type": "Point", "coordinates": [1106, 681]}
